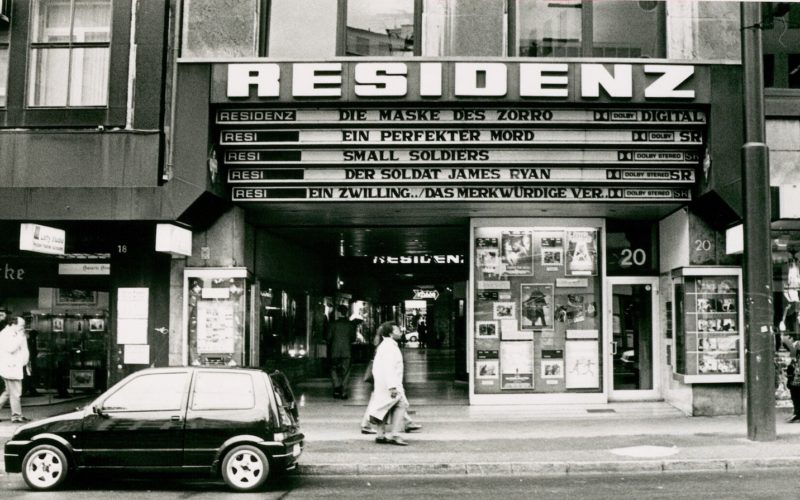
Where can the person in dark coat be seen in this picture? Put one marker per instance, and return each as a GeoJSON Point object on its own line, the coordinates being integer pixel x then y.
{"type": "Point", "coordinates": [29, 382]}
{"type": "Point", "coordinates": [422, 333]}
{"type": "Point", "coordinates": [342, 335]}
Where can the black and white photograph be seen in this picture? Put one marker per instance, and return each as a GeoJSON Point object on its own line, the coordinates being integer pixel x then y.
{"type": "Point", "coordinates": [536, 306]}
{"type": "Point", "coordinates": [504, 310]}
{"type": "Point", "coordinates": [399, 249]}
{"type": "Point", "coordinates": [517, 252]}
{"type": "Point", "coordinates": [486, 329]}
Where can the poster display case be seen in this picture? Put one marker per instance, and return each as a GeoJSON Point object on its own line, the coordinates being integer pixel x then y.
{"type": "Point", "coordinates": [535, 321]}
{"type": "Point", "coordinates": [708, 321]}
{"type": "Point", "coordinates": [216, 310]}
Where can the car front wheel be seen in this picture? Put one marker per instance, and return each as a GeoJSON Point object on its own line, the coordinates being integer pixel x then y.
{"type": "Point", "coordinates": [245, 468]}
{"type": "Point", "coordinates": [45, 467]}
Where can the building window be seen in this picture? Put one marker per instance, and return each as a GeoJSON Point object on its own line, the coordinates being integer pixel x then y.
{"type": "Point", "coordinates": [781, 44]}
{"type": "Point", "coordinates": [3, 62]}
{"type": "Point", "coordinates": [212, 28]}
{"type": "Point", "coordinates": [69, 53]}
{"type": "Point", "coordinates": [302, 28]}
{"type": "Point", "coordinates": [464, 28]}
{"type": "Point", "coordinates": [380, 28]}
{"type": "Point", "coordinates": [585, 28]}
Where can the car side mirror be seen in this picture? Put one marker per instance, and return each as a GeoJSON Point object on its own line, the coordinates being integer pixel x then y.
{"type": "Point", "coordinates": [97, 410]}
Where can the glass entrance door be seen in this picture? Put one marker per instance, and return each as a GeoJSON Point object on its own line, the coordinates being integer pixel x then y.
{"type": "Point", "coordinates": [633, 335]}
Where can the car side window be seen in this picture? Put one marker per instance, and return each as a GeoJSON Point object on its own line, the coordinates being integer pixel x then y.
{"type": "Point", "coordinates": [223, 391]}
{"type": "Point", "coordinates": [158, 391]}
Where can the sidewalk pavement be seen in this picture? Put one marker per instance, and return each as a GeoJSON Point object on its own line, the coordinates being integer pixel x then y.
{"type": "Point", "coordinates": [527, 440]}
{"type": "Point", "coordinates": [535, 440]}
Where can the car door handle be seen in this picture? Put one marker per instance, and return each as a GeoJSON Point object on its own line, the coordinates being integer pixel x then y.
{"type": "Point", "coordinates": [175, 418]}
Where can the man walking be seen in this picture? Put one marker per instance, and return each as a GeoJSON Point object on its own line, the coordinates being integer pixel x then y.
{"type": "Point", "coordinates": [342, 336]}
{"type": "Point", "coordinates": [13, 358]}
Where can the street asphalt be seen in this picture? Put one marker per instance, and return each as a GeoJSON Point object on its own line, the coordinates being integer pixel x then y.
{"type": "Point", "coordinates": [528, 440]}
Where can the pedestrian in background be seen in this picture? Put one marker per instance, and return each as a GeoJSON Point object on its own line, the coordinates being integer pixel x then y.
{"type": "Point", "coordinates": [13, 358]}
{"type": "Point", "coordinates": [793, 376]}
{"type": "Point", "coordinates": [342, 336]}
{"type": "Point", "coordinates": [388, 402]}
{"type": "Point", "coordinates": [29, 382]}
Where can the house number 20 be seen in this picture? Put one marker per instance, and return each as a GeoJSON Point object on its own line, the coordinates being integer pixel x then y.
{"type": "Point", "coordinates": [702, 245]}
{"type": "Point", "coordinates": [633, 257]}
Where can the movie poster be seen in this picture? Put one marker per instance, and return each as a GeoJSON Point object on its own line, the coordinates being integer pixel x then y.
{"type": "Point", "coordinates": [553, 250]}
{"type": "Point", "coordinates": [487, 255]}
{"type": "Point", "coordinates": [582, 368]}
{"type": "Point", "coordinates": [576, 311]}
{"type": "Point", "coordinates": [582, 253]}
{"type": "Point", "coordinates": [487, 369]}
{"type": "Point", "coordinates": [486, 329]}
{"type": "Point", "coordinates": [553, 364]}
{"type": "Point", "coordinates": [536, 306]}
{"type": "Point", "coordinates": [516, 365]}
{"type": "Point", "coordinates": [517, 252]}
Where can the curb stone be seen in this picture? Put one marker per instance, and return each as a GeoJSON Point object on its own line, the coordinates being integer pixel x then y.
{"type": "Point", "coordinates": [698, 464]}
{"type": "Point", "coordinates": [614, 467]}
{"type": "Point", "coordinates": [547, 468]}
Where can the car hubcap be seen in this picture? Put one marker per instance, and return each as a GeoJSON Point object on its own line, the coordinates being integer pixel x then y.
{"type": "Point", "coordinates": [45, 468]}
{"type": "Point", "coordinates": [245, 469]}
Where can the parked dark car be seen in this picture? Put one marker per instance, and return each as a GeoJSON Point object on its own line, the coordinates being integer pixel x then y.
{"type": "Point", "coordinates": [232, 422]}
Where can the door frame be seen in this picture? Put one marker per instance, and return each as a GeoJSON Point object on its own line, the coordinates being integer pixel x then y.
{"type": "Point", "coordinates": [631, 395]}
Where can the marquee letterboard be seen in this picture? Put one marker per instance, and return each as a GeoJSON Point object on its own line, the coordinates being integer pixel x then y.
{"type": "Point", "coordinates": [470, 153]}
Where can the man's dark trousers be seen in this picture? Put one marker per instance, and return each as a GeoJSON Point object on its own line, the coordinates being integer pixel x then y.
{"type": "Point", "coordinates": [340, 374]}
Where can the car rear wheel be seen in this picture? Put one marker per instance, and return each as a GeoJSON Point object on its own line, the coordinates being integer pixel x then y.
{"type": "Point", "coordinates": [245, 468]}
{"type": "Point", "coordinates": [45, 467]}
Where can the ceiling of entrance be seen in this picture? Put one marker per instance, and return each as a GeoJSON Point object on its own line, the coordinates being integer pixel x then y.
{"type": "Point", "coordinates": [357, 229]}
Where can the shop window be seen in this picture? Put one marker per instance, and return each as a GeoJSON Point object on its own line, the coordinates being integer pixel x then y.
{"type": "Point", "coordinates": [781, 44]}
{"type": "Point", "coordinates": [536, 321]}
{"type": "Point", "coordinates": [3, 62]}
{"type": "Point", "coordinates": [583, 28]}
{"type": "Point", "coordinates": [69, 53]}
{"type": "Point", "coordinates": [213, 28]}
{"type": "Point", "coordinates": [380, 28]}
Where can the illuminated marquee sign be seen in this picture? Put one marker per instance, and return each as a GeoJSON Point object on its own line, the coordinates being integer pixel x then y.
{"type": "Point", "coordinates": [495, 116]}
{"type": "Point", "coordinates": [425, 294]}
{"type": "Point", "coordinates": [236, 157]}
{"type": "Point", "coordinates": [456, 193]}
{"type": "Point", "coordinates": [549, 132]}
{"type": "Point", "coordinates": [458, 136]}
{"type": "Point", "coordinates": [466, 79]}
{"type": "Point", "coordinates": [371, 175]}
{"type": "Point", "coordinates": [418, 259]}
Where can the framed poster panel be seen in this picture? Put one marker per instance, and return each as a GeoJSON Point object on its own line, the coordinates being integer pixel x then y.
{"type": "Point", "coordinates": [581, 253]}
{"type": "Point", "coordinates": [536, 306]}
{"type": "Point", "coordinates": [75, 297]}
{"type": "Point", "coordinates": [81, 379]}
{"type": "Point", "coordinates": [582, 364]}
{"type": "Point", "coordinates": [552, 250]}
{"type": "Point", "coordinates": [516, 365]}
{"type": "Point", "coordinates": [504, 310]}
{"type": "Point", "coordinates": [486, 329]}
{"type": "Point", "coordinates": [517, 252]}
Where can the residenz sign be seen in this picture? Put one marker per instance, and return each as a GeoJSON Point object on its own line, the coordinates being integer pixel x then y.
{"type": "Point", "coordinates": [457, 79]}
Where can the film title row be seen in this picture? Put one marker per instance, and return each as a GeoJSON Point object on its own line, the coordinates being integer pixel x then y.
{"type": "Point", "coordinates": [436, 156]}
{"type": "Point", "coordinates": [362, 175]}
{"type": "Point", "coordinates": [489, 115]}
{"type": "Point", "coordinates": [457, 193]}
{"type": "Point", "coordinates": [459, 136]}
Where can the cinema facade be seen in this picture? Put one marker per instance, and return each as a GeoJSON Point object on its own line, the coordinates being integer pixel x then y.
{"type": "Point", "coordinates": [591, 200]}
